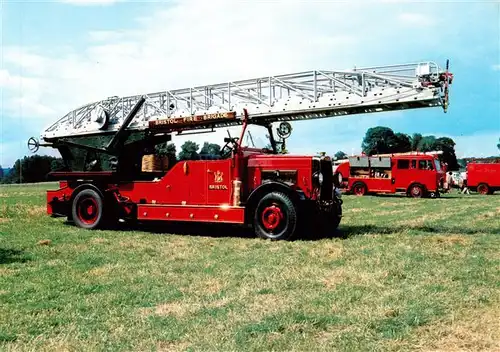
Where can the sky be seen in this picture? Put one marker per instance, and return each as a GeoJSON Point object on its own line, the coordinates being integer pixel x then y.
{"type": "Point", "coordinates": [58, 55]}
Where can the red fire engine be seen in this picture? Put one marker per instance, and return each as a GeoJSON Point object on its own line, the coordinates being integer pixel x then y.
{"type": "Point", "coordinates": [275, 193]}
{"type": "Point", "coordinates": [483, 177]}
{"type": "Point", "coordinates": [416, 174]}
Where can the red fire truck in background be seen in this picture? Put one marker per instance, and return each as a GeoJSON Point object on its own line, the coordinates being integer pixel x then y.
{"type": "Point", "coordinates": [483, 177]}
{"type": "Point", "coordinates": [416, 174]}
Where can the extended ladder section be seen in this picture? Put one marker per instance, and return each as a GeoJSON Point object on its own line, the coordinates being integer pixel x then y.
{"type": "Point", "coordinates": [289, 97]}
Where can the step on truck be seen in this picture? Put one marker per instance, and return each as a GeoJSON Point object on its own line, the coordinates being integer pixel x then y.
{"type": "Point", "coordinates": [248, 183]}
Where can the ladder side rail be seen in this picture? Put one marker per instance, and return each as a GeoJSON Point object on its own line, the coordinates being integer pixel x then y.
{"type": "Point", "coordinates": [391, 80]}
{"type": "Point", "coordinates": [391, 67]}
{"type": "Point", "coordinates": [68, 117]}
{"type": "Point", "coordinates": [212, 100]}
{"type": "Point", "coordinates": [253, 95]}
{"type": "Point", "coordinates": [308, 87]}
{"type": "Point", "coordinates": [304, 95]}
{"type": "Point", "coordinates": [84, 113]}
{"type": "Point", "coordinates": [223, 99]}
{"type": "Point", "coordinates": [341, 83]}
{"type": "Point", "coordinates": [152, 104]}
{"type": "Point", "coordinates": [245, 96]}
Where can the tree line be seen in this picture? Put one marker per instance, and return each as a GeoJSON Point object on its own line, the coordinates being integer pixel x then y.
{"type": "Point", "coordinates": [35, 168]}
{"type": "Point", "coordinates": [383, 140]}
{"type": "Point", "coordinates": [377, 140]}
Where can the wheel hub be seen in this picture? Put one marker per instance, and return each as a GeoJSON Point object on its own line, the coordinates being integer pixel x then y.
{"type": "Point", "coordinates": [358, 190]}
{"type": "Point", "coordinates": [271, 217]}
{"type": "Point", "coordinates": [415, 191]}
{"type": "Point", "coordinates": [87, 210]}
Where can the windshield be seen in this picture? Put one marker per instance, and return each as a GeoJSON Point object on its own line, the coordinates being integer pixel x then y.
{"type": "Point", "coordinates": [438, 165]}
{"type": "Point", "coordinates": [256, 137]}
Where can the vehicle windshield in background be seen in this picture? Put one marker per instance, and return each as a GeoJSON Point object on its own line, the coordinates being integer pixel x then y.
{"type": "Point", "coordinates": [438, 165]}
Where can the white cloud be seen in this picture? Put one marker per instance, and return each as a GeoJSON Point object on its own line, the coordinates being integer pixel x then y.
{"type": "Point", "coordinates": [103, 36]}
{"type": "Point", "coordinates": [25, 57]}
{"type": "Point", "coordinates": [485, 142]}
{"type": "Point", "coordinates": [169, 52]}
{"type": "Point", "coordinates": [414, 18]}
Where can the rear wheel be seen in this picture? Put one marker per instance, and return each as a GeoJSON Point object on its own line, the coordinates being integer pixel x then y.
{"type": "Point", "coordinates": [275, 217]}
{"type": "Point", "coordinates": [416, 191]}
{"type": "Point", "coordinates": [87, 209]}
{"type": "Point", "coordinates": [359, 189]}
{"type": "Point", "coordinates": [483, 188]}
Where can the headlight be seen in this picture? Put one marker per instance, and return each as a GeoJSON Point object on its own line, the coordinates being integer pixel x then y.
{"type": "Point", "coordinates": [318, 178]}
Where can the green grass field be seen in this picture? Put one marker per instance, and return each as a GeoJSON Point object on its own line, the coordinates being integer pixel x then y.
{"type": "Point", "coordinates": [404, 274]}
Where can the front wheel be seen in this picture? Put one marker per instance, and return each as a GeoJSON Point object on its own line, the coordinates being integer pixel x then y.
{"type": "Point", "coordinates": [416, 191]}
{"type": "Point", "coordinates": [275, 217]}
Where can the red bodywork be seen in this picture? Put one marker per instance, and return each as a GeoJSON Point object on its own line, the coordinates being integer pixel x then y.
{"type": "Point", "coordinates": [483, 177]}
{"type": "Point", "coordinates": [403, 172]}
{"type": "Point", "coordinates": [198, 190]}
{"type": "Point", "coordinates": [275, 193]}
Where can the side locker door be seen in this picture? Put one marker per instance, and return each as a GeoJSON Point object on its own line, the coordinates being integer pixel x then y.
{"type": "Point", "coordinates": [196, 182]}
{"type": "Point", "coordinates": [402, 171]}
{"type": "Point", "coordinates": [218, 180]}
{"type": "Point", "coordinates": [381, 178]}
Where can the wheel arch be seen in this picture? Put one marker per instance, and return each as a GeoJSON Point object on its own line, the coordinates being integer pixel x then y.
{"type": "Point", "coordinates": [265, 188]}
{"type": "Point", "coordinates": [83, 186]}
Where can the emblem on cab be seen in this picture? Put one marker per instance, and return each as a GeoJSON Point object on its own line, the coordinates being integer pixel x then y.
{"type": "Point", "coordinates": [218, 178]}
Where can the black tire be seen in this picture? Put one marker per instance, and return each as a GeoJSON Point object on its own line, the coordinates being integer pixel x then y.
{"type": "Point", "coordinates": [275, 217]}
{"type": "Point", "coordinates": [87, 209]}
{"type": "Point", "coordinates": [483, 189]}
{"type": "Point", "coordinates": [416, 191]}
{"type": "Point", "coordinates": [359, 189]}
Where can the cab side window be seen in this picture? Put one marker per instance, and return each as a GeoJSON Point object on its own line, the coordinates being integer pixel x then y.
{"type": "Point", "coordinates": [413, 164]}
{"type": "Point", "coordinates": [403, 164]}
{"type": "Point", "coordinates": [425, 165]}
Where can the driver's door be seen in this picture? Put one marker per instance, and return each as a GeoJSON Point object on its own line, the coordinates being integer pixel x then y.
{"type": "Point", "coordinates": [218, 173]}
